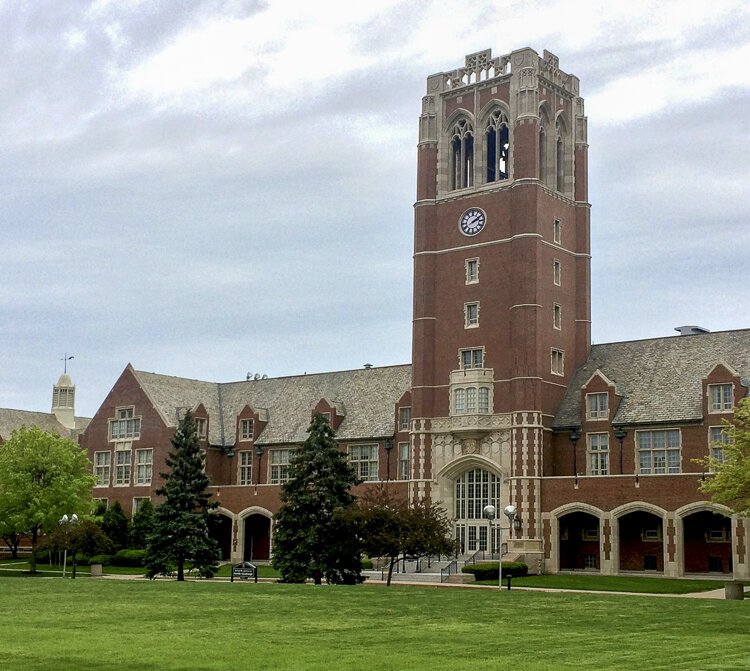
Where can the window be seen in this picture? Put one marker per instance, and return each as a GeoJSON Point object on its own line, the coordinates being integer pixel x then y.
{"type": "Point", "coordinates": [597, 406]}
{"type": "Point", "coordinates": [138, 502]}
{"type": "Point", "coordinates": [659, 451]}
{"type": "Point", "coordinates": [589, 561]}
{"type": "Point", "coordinates": [557, 316]}
{"type": "Point", "coordinates": [123, 457]}
{"type": "Point", "coordinates": [472, 271]}
{"type": "Point", "coordinates": [280, 465]}
{"type": "Point", "coordinates": [245, 475]}
{"type": "Point", "coordinates": [472, 358]}
{"type": "Point", "coordinates": [459, 401]}
{"type": "Point", "coordinates": [471, 400]}
{"type": "Point", "coordinates": [717, 439]}
{"type": "Point", "coordinates": [462, 155]}
{"type": "Point", "coordinates": [144, 460]}
{"type": "Point", "coordinates": [473, 491]}
{"type": "Point", "coordinates": [200, 427]}
{"type": "Point", "coordinates": [557, 362]}
{"type": "Point", "coordinates": [471, 315]}
{"type": "Point", "coordinates": [556, 272]}
{"type": "Point", "coordinates": [598, 444]}
{"type": "Point", "coordinates": [404, 418]}
{"type": "Point", "coordinates": [246, 429]}
{"type": "Point", "coordinates": [364, 460]}
{"type": "Point", "coordinates": [720, 397]}
{"type": "Point", "coordinates": [591, 534]}
{"type": "Point", "coordinates": [498, 144]}
{"type": "Point", "coordinates": [327, 417]}
{"type": "Point", "coordinates": [556, 237]}
{"type": "Point", "coordinates": [102, 461]}
{"type": "Point", "coordinates": [403, 461]}
{"type": "Point", "coordinates": [125, 425]}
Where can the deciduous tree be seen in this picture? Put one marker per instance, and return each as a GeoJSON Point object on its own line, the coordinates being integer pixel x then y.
{"type": "Point", "coordinates": [180, 533]}
{"type": "Point", "coordinates": [313, 536]}
{"type": "Point", "coordinates": [730, 483]}
{"type": "Point", "coordinates": [42, 477]}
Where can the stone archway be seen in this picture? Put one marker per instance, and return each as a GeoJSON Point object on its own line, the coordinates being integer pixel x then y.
{"type": "Point", "coordinates": [579, 537]}
{"type": "Point", "coordinates": [257, 537]}
{"type": "Point", "coordinates": [220, 529]}
{"type": "Point", "coordinates": [641, 542]}
{"type": "Point", "coordinates": [707, 542]}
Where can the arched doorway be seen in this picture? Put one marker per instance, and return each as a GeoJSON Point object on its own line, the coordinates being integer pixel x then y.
{"type": "Point", "coordinates": [579, 542]}
{"type": "Point", "coordinates": [641, 542]}
{"type": "Point", "coordinates": [474, 490]}
{"type": "Point", "coordinates": [220, 529]}
{"type": "Point", "coordinates": [707, 542]}
{"type": "Point", "coordinates": [257, 537]}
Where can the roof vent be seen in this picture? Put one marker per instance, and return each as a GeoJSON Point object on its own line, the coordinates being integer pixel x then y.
{"type": "Point", "coordinates": [368, 366]}
{"type": "Point", "coordinates": [691, 330]}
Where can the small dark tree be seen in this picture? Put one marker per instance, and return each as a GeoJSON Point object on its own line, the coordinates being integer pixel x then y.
{"type": "Point", "coordinates": [142, 526]}
{"type": "Point", "coordinates": [390, 527]}
{"type": "Point", "coordinates": [313, 534]}
{"type": "Point", "coordinates": [180, 532]}
{"type": "Point", "coordinates": [86, 537]}
{"type": "Point", "coordinates": [116, 526]}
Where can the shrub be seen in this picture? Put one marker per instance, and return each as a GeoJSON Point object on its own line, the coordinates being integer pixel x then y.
{"type": "Point", "coordinates": [488, 570]}
{"type": "Point", "coordinates": [366, 564]}
{"type": "Point", "coordinates": [104, 560]}
{"type": "Point", "coordinates": [129, 558]}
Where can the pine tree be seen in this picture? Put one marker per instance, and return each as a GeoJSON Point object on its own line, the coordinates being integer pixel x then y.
{"type": "Point", "coordinates": [180, 534]}
{"type": "Point", "coordinates": [116, 526]}
{"type": "Point", "coordinates": [142, 526]}
{"type": "Point", "coordinates": [314, 537]}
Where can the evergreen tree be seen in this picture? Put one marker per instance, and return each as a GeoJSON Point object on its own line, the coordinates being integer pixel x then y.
{"type": "Point", "coordinates": [116, 526]}
{"type": "Point", "coordinates": [142, 526]}
{"type": "Point", "coordinates": [180, 532]}
{"type": "Point", "coordinates": [313, 536]}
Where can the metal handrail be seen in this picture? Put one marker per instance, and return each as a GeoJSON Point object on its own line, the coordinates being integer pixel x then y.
{"type": "Point", "coordinates": [446, 572]}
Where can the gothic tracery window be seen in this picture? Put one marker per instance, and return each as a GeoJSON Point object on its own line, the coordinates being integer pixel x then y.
{"type": "Point", "coordinates": [498, 146]}
{"type": "Point", "coordinates": [462, 155]}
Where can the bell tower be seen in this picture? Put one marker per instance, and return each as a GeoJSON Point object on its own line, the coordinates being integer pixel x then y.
{"type": "Point", "coordinates": [501, 283]}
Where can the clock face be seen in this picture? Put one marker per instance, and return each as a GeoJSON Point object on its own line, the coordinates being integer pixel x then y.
{"type": "Point", "coordinates": [472, 221]}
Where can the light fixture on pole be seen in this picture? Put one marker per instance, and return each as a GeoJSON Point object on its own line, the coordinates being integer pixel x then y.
{"type": "Point", "coordinates": [66, 521]}
{"type": "Point", "coordinates": [510, 512]}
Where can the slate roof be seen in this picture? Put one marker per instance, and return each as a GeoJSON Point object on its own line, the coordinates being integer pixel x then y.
{"type": "Point", "coordinates": [10, 420]}
{"type": "Point", "coordinates": [659, 379]}
{"type": "Point", "coordinates": [367, 395]}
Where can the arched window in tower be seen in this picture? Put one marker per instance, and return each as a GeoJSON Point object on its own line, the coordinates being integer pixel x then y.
{"type": "Point", "coordinates": [498, 146]}
{"type": "Point", "coordinates": [561, 158]}
{"type": "Point", "coordinates": [462, 155]}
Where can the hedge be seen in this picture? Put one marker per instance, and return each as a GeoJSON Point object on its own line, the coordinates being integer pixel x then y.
{"type": "Point", "coordinates": [488, 570]}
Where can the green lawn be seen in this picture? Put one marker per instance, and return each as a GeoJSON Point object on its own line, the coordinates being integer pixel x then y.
{"type": "Point", "coordinates": [107, 625]}
{"type": "Point", "coordinates": [645, 585]}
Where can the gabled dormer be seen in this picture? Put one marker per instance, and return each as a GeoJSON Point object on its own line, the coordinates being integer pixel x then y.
{"type": "Point", "coordinates": [250, 424]}
{"type": "Point", "coordinates": [599, 399]}
{"type": "Point", "coordinates": [722, 389]}
{"type": "Point", "coordinates": [402, 419]}
{"type": "Point", "coordinates": [200, 414]}
{"type": "Point", "coordinates": [334, 411]}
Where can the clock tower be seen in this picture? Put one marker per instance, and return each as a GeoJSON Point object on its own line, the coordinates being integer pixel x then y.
{"type": "Point", "coordinates": [501, 286]}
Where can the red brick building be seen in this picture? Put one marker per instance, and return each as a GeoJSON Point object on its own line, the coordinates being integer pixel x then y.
{"type": "Point", "coordinates": [506, 400]}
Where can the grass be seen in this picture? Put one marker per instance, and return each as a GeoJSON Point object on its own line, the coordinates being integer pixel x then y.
{"type": "Point", "coordinates": [643, 585]}
{"type": "Point", "coordinates": [108, 625]}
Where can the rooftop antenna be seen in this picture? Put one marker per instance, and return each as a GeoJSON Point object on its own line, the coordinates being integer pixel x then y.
{"type": "Point", "coordinates": [256, 376]}
{"type": "Point", "coordinates": [65, 360]}
{"type": "Point", "coordinates": [249, 376]}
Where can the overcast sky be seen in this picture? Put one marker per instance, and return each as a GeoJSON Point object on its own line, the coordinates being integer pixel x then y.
{"type": "Point", "coordinates": [206, 189]}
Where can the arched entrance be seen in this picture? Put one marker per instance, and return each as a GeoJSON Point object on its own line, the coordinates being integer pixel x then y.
{"type": "Point", "coordinates": [641, 542]}
{"type": "Point", "coordinates": [707, 542]}
{"type": "Point", "coordinates": [579, 542]}
{"type": "Point", "coordinates": [475, 489]}
{"type": "Point", "coordinates": [257, 537]}
{"type": "Point", "coordinates": [220, 529]}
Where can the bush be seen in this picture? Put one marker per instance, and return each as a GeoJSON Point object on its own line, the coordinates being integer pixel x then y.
{"type": "Point", "coordinates": [129, 558]}
{"type": "Point", "coordinates": [488, 570]}
{"type": "Point", "coordinates": [366, 564]}
{"type": "Point", "coordinates": [104, 560]}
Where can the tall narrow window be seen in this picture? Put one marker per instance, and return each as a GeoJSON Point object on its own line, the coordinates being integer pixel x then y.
{"type": "Point", "coordinates": [462, 155]}
{"type": "Point", "coordinates": [459, 401]}
{"type": "Point", "coordinates": [598, 453]}
{"type": "Point", "coordinates": [542, 155]}
{"type": "Point", "coordinates": [245, 475]}
{"type": "Point", "coordinates": [556, 272]}
{"type": "Point", "coordinates": [144, 460]}
{"type": "Point", "coordinates": [404, 419]}
{"type": "Point", "coordinates": [556, 236]}
{"type": "Point", "coordinates": [246, 429]}
{"type": "Point", "coordinates": [557, 362]}
{"type": "Point", "coordinates": [484, 400]}
{"type": "Point", "coordinates": [123, 457]}
{"type": "Point", "coordinates": [718, 438]}
{"type": "Point", "coordinates": [498, 144]}
{"type": "Point", "coordinates": [557, 316]}
{"type": "Point", "coordinates": [471, 315]}
{"type": "Point", "coordinates": [102, 462]}
{"type": "Point", "coordinates": [403, 461]}
{"type": "Point", "coordinates": [472, 271]}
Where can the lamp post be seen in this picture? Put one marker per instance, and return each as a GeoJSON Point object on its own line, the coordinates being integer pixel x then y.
{"type": "Point", "coordinates": [575, 434]}
{"type": "Point", "coordinates": [388, 448]}
{"type": "Point", "coordinates": [259, 454]}
{"type": "Point", "coordinates": [65, 522]}
{"type": "Point", "coordinates": [510, 512]}
{"type": "Point", "coordinates": [620, 434]}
